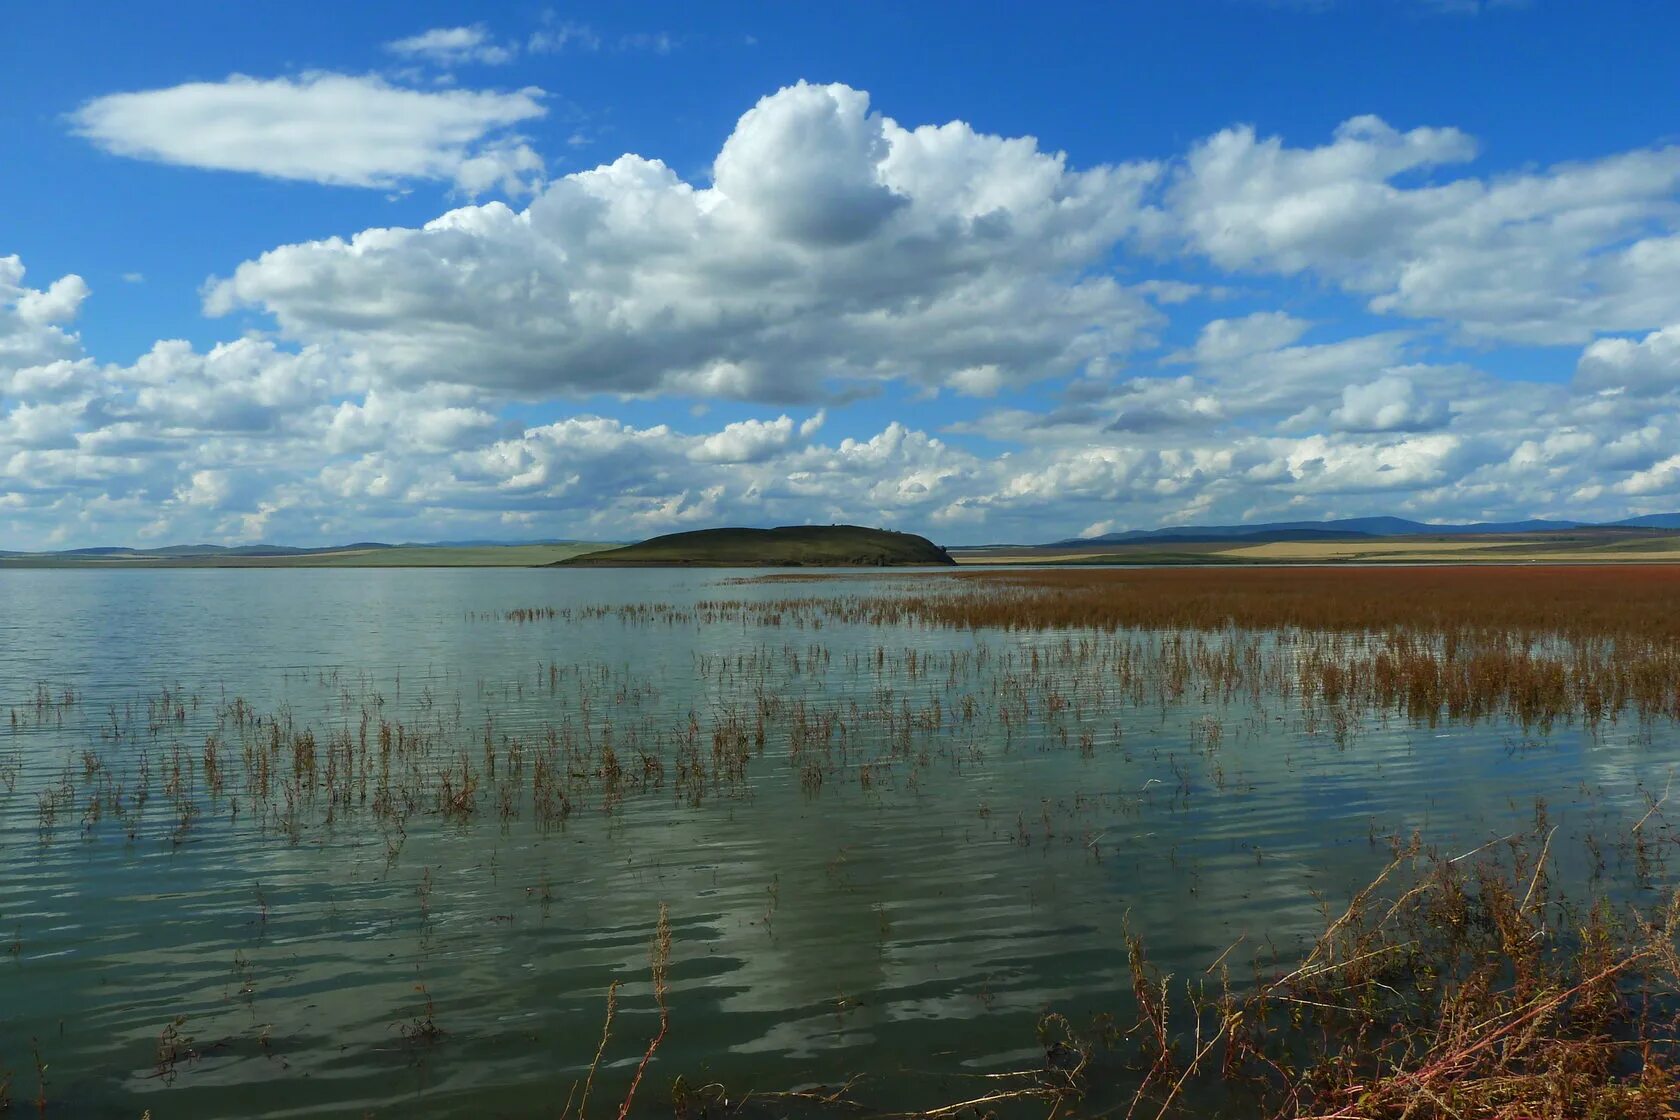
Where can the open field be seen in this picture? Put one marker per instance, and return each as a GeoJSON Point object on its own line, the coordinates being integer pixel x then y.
{"type": "Point", "coordinates": [417, 556]}
{"type": "Point", "coordinates": [1492, 549]}
{"type": "Point", "coordinates": [1598, 546]}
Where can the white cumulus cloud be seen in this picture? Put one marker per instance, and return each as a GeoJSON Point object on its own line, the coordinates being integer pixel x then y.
{"type": "Point", "coordinates": [833, 247]}
{"type": "Point", "coordinates": [36, 351]}
{"type": "Point", "coordinates": [1649, 365]}
{"type": "Point", "coordinates": [459, 378]}
{"type": "Point", "coordinates": [1547, 256]}
{"type": "Point", "coordinates": [1389, 404]}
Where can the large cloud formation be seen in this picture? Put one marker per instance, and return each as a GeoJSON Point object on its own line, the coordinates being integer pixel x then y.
{"type": "Point", "coordinates": [834, 248]}
{"type": "Point", "coordinates": [387, 382]}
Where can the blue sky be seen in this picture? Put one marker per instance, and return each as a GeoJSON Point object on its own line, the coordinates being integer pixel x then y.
{"type": "Point", "coordinates": [990, 272]}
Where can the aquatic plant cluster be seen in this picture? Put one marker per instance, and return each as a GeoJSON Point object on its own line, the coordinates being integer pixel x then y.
{"type": "Point", "coordinates": [1516, 978]}
{"type": "Point", "coordinates": [1539, 644]}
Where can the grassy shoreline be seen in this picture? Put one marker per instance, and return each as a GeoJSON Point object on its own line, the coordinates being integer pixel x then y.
{"type": "Point", "coordinates": [721, 549]}
{"type": "Point", "coordinates": [1601, 547]}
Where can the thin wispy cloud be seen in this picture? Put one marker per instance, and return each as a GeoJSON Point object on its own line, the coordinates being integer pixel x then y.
{"type": "Point", "coordinates": [453, 46]}
{"type": "Point", "coordinates": [557, 36]}
{"type": "Point", "coordinates": [336, 129]}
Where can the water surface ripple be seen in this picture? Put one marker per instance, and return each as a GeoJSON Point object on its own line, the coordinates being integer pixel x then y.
{"type": "Point", "coordinates": [906, 913]}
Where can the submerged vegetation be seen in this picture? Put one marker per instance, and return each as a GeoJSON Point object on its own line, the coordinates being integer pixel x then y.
{"type": "Point", "coordinates": [1447, 988]}
{"type": "Point", "coordinates": [1531, 976]}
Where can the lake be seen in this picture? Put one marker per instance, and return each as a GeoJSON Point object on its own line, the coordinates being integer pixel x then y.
{"type": "Point", "coordinates": [440, 811]}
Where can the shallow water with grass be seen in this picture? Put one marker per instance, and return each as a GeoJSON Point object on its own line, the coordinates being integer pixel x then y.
{"type": "Point", "coordinates": [345, 843]}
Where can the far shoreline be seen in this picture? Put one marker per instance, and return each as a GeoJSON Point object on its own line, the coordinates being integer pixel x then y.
{"type": "Point", "coordinates": [1507, 549]}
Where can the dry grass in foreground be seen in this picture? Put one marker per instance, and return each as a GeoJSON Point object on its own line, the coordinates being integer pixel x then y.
{"type": "Point", "coordinates": [1477, 990]}
{"type": "Point", "coordinates": [1448, 988]}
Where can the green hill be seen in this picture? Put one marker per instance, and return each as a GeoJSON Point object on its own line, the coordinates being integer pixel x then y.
{"type": "Point", "coordinates": [790, 546]}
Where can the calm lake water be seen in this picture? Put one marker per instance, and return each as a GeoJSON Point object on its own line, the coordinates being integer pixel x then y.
{"type": "Point", "coordinates": [942, 835]}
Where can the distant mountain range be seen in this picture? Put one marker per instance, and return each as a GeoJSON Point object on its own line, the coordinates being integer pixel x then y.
{"type": "Point", "coordinates": [189, 551]}
{"type": "Point", "coordinates": [1353, 528]}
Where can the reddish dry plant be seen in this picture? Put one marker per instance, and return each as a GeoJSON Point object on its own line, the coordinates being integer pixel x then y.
{"type": "Point", "coordinates": [1626, 600]}
{"type": "Point", "coordinates": [659, 961]}
{"type": "Point", "coordinates": [1447, 989]}
{"type": "Point", "coordinates": [659, 957]}
{"type": "Point", "coordinates": [1477, 990]}
{"type": "Point", "coordinates": [1536, 643]}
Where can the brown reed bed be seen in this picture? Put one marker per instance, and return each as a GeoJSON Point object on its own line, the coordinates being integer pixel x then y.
{"type": "Point", "coordinates": [1635, 602]}
{"type": "Point", "coordinates": [1448, 987]}
{"type": "Point", "coordinates": [1540, 643]}
{"type": "Point", "coordinates": [592, 737]}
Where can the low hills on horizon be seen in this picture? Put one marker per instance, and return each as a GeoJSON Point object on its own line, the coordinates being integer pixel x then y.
{"type": "Point", "coordinates": [787, 546]}
{"type": "Point", "coordinates": [1357, 527]}
{"type": "Point", "coordinates": [1353, 538]}
{"type": "Point", "coordinates": [190, 550]}
{"type": "Point", "coordinates": [358, 554]}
